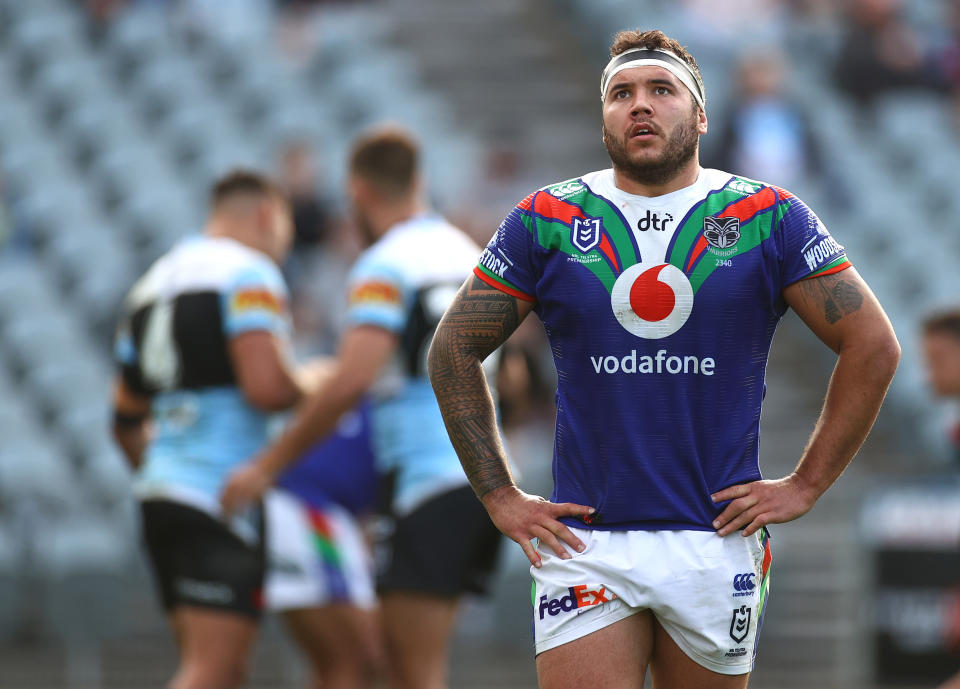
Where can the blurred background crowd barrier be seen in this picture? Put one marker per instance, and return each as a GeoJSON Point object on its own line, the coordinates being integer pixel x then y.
{"type": "Point", "coordinates": [116, 115]}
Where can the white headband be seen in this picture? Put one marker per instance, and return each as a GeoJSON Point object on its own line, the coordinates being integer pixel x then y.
{"type": "Point", "coordinates": [645, 57]}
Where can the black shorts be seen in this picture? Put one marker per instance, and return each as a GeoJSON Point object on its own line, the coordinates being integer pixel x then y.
{"type": "Point", "coordinates": [446, 547]}
{"type": "Point", "coordinates": [198, 561]}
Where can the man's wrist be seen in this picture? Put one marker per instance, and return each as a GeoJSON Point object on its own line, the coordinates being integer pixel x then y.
{"type": "Point", "coordinates": [269, 465]}
{"type": "Point", "coordinates": [494, 493]}
{"type": "Point", "coordinates": [808, 486]}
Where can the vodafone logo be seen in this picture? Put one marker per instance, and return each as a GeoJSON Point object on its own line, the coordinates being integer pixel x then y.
{"type": "Point", "coordinates": [652, 301]}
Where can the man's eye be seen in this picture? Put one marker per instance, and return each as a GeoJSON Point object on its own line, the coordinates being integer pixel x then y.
{"type": "Point", "coordinates": [621, 94]}
{"type": "Point", "coordinates": [661, 90]}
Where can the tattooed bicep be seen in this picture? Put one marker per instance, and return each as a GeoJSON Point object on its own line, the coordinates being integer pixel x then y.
{"type": "Point", "coordinates": [481, 317]}
{"type": "Point", "coordinates": [833, 296]}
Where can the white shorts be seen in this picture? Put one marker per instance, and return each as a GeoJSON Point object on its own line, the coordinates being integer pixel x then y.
{"type": "Point", "coordinates": [314, 557]}
{"type": "Point", "coordinates": [707, 592]}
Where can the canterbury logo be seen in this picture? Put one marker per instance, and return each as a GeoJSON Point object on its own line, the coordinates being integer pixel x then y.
{"type": "Point", "coordinates": [744, 582]}
{"type": "Point", "coordinates": [741, 187]}
{"type": "Point", "coordinates": [566, 189]}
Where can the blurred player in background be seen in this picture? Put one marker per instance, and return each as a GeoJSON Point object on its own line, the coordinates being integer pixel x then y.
{"type": "Point", "coordinates": [952, 683]}
{"type": "Point", "coordinates": [319, 570]}
{"type": "Point", "coordinates": [440, 543]}
{"type": "Point", "coordinates": [941, 351]}
{"type": "Point", "coordinates": [203, 352]}
{"type": "Point", "coordinates": [660, 285]}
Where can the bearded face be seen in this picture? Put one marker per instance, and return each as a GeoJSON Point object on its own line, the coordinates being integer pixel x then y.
{"type": "Point", "coordinates": [660, 160]}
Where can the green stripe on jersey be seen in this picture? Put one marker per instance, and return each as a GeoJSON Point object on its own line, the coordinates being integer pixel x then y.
{"type": "Point", "coordinates": [496, 278]}
{"type": "Point", "coordinates": [556, 235]}
{"type": "Point", "coordinates": [830, 266]}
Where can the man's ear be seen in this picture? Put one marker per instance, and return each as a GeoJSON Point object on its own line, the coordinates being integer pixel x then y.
{"type": "Point", "coordinates": [359, 189]}
{"type": "Point", "coordinates": [264, 215]}
{"type": "Point", "coordinates": [702, 121]}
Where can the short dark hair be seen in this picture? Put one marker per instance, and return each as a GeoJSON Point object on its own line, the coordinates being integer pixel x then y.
{"type": "Point", "coordinates": [653, 40]}
{"type": "Point", "coordinates": [241, 182]}
{"type": "Point", "coordinates": [388, 158]}
{"type": "Point", "coordinates": [943, 323]}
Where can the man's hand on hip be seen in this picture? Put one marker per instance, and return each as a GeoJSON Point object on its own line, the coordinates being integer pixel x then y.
{"type": "Point", "coordinates": [754, 505]}
{"type": "Point", "coordinates": [523, 517]}
{"type": "Point", "coordinates": [244, 485]}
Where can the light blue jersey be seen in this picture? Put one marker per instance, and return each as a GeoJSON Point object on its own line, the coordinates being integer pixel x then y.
{"type": "Point", "coordinates": [404, 283]}
{"type": "Point", "coordinates": [172, 345]}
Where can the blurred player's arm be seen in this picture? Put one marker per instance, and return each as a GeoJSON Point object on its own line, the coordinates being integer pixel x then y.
{"type": "Point", "coordinates": [131, 422]}
{"type": "Point", "coordinates": [265, 373]}
{"type": "Point", "coordinates": [842, 311]}
{"type": "Point", "coordinates": [364, 351]}
{"type": "Point", "coordinates": [952, 683]}
{"type": "Point", "coordinates": [479, 320]}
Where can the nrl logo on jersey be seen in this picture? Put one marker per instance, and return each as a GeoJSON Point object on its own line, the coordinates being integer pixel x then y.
{"type": "Point", "coordinates": [565, 190]}
{"type": "Point", "coordinates": [721, 234]}
{"type": "Point", "coordinates": [586, 234]}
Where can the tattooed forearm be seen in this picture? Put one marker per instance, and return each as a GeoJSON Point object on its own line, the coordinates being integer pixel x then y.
{"type": "Point", "coordinates": [838, 296]}
{"type": "Point", "coordinates": [479, 320]}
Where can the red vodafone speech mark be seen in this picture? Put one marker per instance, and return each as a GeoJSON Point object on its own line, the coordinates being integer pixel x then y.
{"type": "Point", "coordinates": [651, 299]}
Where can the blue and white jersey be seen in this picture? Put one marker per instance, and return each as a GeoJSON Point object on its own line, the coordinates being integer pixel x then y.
{"type": "Point", "coordinates": [172, 345]}
{"type": "Point", "coordinates": [404, 283]}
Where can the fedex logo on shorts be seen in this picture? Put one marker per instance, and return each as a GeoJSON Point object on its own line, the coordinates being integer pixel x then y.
{"type": "Point", "coordinates": [578, 597]}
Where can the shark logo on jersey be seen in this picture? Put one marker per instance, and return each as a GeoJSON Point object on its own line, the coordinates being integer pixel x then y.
{"type": "Point", "coordinates": [586, 234]}
{"type": "Point", "coordinates": [652, 301]}
{"type": "Point", "coordinates": [721, 233]}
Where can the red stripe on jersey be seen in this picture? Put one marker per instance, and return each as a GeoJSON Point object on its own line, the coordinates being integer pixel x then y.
{"type": "Point", "coordinates": [553, 208]}
{"type": "Point", "coordinates": [783, 193]}
{"type": "Point", "coordinates": [748, 207]}
{"type": "Point", "coordinates": [527, 203]}
{"type": "Point", "coordinates": [831, 271]}
{"type": "Point", "coordinates": [506, 289]}
{"type": "Point", "coordinates": [698, 250]}
{"type": "Point", "coordinates": [608, 251]}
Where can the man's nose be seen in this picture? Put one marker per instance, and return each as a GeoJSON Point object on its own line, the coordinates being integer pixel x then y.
{"type": "Point", "coordinates": [641, 105]}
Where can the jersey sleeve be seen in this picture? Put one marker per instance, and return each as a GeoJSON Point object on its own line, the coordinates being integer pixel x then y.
{"type": "Point", "coordinates": [256, 299]}
{"type": "Point", "coordinates": [124, 348]}
{"type": "Point", "coordinates": [125, 356]}
{"type": "Point", "coordinates": [508, 262]}
{"type": "Point", "coordinates": [807, 248]}
{"type": "Point", "coordinates": [375, 294]}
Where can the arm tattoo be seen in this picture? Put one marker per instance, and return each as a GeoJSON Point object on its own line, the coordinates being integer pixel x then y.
{"type": "Point", "coordinates": [839, 297]}
{"type": "Point", "coordinates": [480, 319]}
